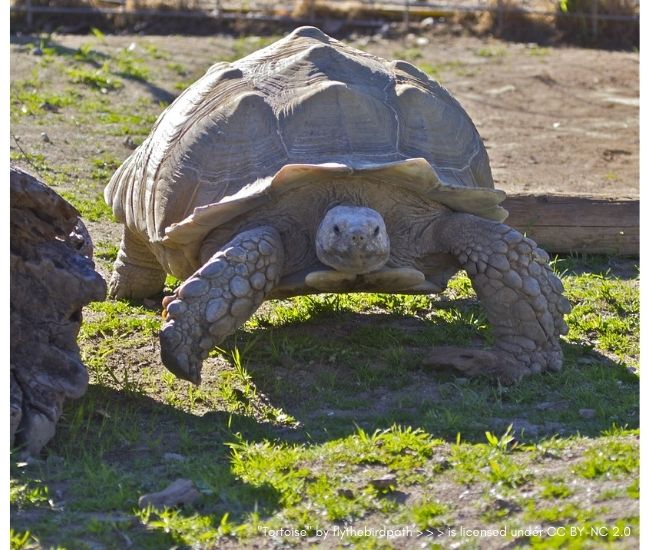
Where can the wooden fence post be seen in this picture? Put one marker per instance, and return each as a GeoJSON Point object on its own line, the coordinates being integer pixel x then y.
{"type": "Point", "coordinates": [406, 15]}
{"type": "Point", "coordinates": [312, 11]}
{"type": "Point", "coordinates": [594, 19]}
{"type": "Point", "coordinates": [30, 15]}
{"type": "Point", "coordinates": [500, 17]}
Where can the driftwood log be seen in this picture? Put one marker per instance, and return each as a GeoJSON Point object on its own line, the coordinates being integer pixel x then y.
{"type": "Point", "coordinates": [577, 223]}
{"type": "Point", "coordinates": [52, 278]}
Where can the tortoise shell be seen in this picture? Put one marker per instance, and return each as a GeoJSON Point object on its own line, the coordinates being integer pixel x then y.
{"type": "Point", "coordinates": [301, 111]}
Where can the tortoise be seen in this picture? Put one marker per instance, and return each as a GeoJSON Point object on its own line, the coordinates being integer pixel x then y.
{"type": "Point", "coordinates": [310, 166]}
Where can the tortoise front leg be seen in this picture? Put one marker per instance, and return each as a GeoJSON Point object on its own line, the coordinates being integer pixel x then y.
{"type": "Point", "coordinates": [521, 295]}
{"type": "Point", "coordinates": [218, 298]}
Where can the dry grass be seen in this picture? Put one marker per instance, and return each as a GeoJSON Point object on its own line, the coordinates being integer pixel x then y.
{"type": "Point", "coordinates": [567, 20]}
{"type": "Point", "coordinates": [580, 28]}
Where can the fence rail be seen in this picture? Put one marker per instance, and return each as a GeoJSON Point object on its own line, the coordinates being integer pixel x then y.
{"type": "Point", "coordinates": [268, 11]}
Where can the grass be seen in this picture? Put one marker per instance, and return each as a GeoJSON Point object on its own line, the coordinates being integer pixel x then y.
{"type": "Point", "coordinates": [27, 99]}
{"type": "Point", "coordinates": [98, 79]}
{"type": "Point", "coordinates": [316, 419]}
{"type": "Point", "coordinates": [491, 52]}
{"type": "Point", "coordinates": [317, 457]}
{"type": "Point", "coordinates": [412, 55]}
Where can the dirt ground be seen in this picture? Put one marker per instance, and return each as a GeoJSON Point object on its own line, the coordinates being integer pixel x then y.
{"type": "Point", "coordinates": [553, 119]}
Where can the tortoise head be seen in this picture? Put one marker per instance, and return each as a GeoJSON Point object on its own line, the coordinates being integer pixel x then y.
{"type": "Point", "coordinates": [353, 239]}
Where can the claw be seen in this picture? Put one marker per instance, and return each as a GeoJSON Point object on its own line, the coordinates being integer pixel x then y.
{"type": "Point", "coordinates": [183, 366]}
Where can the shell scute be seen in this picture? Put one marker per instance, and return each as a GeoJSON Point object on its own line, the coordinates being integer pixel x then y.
{"type": "Point", "coordinates": [340, 120]}
{"type": "Point", "coordinates": [437, 130]}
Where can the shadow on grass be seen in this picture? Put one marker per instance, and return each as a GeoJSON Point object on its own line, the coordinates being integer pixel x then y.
{"type": "Point", "coordinates": [95, 59]}
{"type": "Point", "coordinates": [350, 380]}
{"type": "Point", "coordinates": [113, 446]}
{"type": "Point", "coordinates": [334, 373]}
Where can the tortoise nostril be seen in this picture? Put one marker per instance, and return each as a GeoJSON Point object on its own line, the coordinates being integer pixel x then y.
{"type": "Point", "coordinates": [337, 230]}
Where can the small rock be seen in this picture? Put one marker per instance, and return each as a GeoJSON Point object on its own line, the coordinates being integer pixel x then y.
{"type": "Point", "coordinates": [47, 106]}
{"type": "Point", "coordinates": [520, 425]}
{"type": "Point", "coordinates": [552, 405]}
{"type": "Point", "coordinates": [504, 504]}
{"type": "Point", "coordinates": [587, 413]}
{"type": "Point", "coordinates": [174, 457]}
{"type": "Point", "coordinates": [129, 143]}
{"type": "Point", "coordinates": [347, 493]}
{"type": "Point", "coordinates": [384, 482]}
{"type": "Point", "coordinates": [501, 90]}
{"type": "Point", "coordinates": [37, 51]}
{"type": "Point", "coordinates": [427, 23]}
{"type": "Point", "coordinates": [148, 302]}
{"type": "Point", "coordinates": [45, 137]}
{"type": "Point", "coordinates": [422, 41]}
{"type": "Point", "coordinates": [180, 492]}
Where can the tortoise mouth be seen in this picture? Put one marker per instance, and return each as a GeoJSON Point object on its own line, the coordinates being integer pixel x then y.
{"type": "Point", "coordinates": [386, 279]}
{"type": "Point", "coordinates": [356, 263]}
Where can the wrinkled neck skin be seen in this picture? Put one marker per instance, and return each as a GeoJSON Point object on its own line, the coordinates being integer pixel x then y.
{"type": "Point", "coordinates": [307, 218]}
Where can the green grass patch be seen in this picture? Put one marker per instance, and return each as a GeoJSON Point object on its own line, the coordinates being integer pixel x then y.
{"type": "Point", "coordinates": [28, 495]}
{"type": "Point", "coordinates": [553, 490]}
{"type": "Point", "coordinates": [128, 65]}
{"type": "Point", "coordinates": [28, 100]}
{"type": "Point", "coordinates": [491, 52]}
{"type": "Point", "coordinates": [538, 51]}
{"type": "Point", "coordinates": [106, 251]}
{"type": "Point", "coordinates": [614, 458]}
{"type": "Point", "coordinates": [104, 166]}
{"type": "Point", "coordinates": [91, 209]}
{"type": "Point", "coordinates": [97, 79]}
{"type": "Point", "coordinates": [429, 514]}
{"type": "Point", "coordinates": [605, 312]}
{"type": "Point", "coordinates": [136, 121]}
{"type": "Point", "coordinates": [408, 54]}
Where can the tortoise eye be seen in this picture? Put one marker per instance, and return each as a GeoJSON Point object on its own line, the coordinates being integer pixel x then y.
{"type": "Point", "coordinates": [336, 229]}
{"type": "Point", "coordinates": [376, 231]}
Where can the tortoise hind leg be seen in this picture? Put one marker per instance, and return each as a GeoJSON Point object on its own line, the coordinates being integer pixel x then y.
{"type": "Point", "coordinates": [218, 298]}
{"type": "Point", "coordinates": [520, 294]}
{"type": "Point", "coordinates": [136, 272]}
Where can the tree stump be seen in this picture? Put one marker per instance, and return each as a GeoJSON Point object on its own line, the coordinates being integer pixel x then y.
{"type": "Point", "coordinates": [52, 276]}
